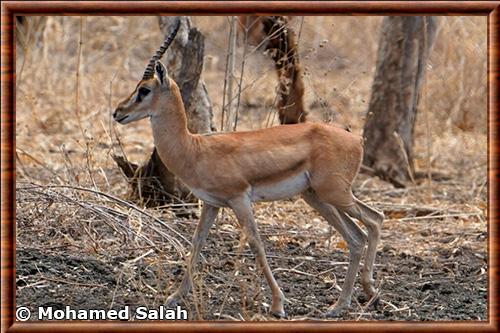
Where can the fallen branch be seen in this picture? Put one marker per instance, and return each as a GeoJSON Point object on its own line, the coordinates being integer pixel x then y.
{"type": "Point", "coordinates": [68, 282]}
{"type": "Point", "coordinates": [432, 217]}
{"type": "Point", "coordinates": [417, 209]}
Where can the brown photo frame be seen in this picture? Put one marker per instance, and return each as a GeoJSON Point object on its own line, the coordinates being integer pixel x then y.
{"type": "Point", "coordinates": [491, 9]}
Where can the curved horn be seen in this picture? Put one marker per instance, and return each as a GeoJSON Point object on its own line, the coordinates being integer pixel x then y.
{"type": "Point", "coordinates": [148, 73]}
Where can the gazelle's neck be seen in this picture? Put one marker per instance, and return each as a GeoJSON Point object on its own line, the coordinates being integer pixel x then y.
{"type": "Point", "coordinates": [172, 139]}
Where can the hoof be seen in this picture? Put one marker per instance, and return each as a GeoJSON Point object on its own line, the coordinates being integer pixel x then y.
{"type": "Point", "coordinates": [336, 312]}
{"type": "Point", "coordinates": [279, 314]}
{"type": "Point", "coordinates": [375, 301]}
{"type": "Point", "coordinates": [372, 300]}
{"type": "Point", "coordinates": [374, 304]}
{"type": "Point", "coordinates": [369, 289]}
{"type": "Point", "coordinates": [172, 301]}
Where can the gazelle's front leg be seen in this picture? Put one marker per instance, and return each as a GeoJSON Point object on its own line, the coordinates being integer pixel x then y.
{"type": "Point", "coordinates": [208, 215]}
{"type": "Point", "coordinates": [243, 210]}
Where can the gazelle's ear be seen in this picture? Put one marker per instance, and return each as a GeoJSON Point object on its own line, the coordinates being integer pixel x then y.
{"type": "Point", "coordinates": [161, 73]}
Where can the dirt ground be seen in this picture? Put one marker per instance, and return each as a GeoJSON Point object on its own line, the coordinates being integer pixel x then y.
{"type": "Point", "coordinates": [445, 287]}
{"type": "Point", "coordinates": [427, 268]}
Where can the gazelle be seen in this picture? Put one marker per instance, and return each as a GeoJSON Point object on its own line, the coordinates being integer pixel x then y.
{"type": "Point", "coordinates": [235, 169]}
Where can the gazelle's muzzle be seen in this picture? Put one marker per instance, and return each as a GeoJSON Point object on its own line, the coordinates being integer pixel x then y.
{"type": "Point", "coordinates": [117, 116]}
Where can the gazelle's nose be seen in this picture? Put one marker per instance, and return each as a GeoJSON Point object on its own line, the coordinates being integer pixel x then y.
{"type": "Point", "coordinates": [115, 114]}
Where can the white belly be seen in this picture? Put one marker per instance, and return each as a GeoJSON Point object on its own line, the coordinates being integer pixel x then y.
{"type": "Point", "coordinates": [283, 189]}
{"type": "Point", "coordinates": [280, 190]}
{"type": "Point", "coordinates": [209, 198]}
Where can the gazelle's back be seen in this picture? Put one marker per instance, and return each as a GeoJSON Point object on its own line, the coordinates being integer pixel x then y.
{"type": "Point", "coordinates": [288, 159]}
{"type": "Point", "coordinates": [282, 148]}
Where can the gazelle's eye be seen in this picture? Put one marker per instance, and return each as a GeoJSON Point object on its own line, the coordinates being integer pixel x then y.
{"type": "Point", "coordinates": [143, 91]}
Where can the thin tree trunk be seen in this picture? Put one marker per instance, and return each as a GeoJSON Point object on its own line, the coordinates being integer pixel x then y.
{"type": "Point", "coordinates": [279, 39]}
{"type": "Point", "coordinates": [283, 47]}
{"type": "Point", "coordinates": [404, 47]}
{"type": "Point", "coordinates": [152, 183]}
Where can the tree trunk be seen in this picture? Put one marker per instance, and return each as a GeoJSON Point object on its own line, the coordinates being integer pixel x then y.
{"type": "Point", "coordinates": [278, 38]}
{"type": "Point", "coordinates": [283, 47]}
{"type": "Point", "coordinates": [404, 47]}
{"type": "Point", "coordinates": [184, 61]}
{"type": "Point", "coordinates": [152, 183]}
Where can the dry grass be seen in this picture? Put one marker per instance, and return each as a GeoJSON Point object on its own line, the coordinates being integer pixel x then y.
{"type": "Point", "coordinates": [65, 136]}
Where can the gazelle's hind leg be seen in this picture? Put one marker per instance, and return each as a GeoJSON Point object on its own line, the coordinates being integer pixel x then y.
{"type": "Point", "coordinates": [355, 239]}
{"type": "Point", "coordinates": [372, 219]}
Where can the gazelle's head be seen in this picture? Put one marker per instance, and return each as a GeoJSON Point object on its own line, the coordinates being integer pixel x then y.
{"type": "Point", "coordinates": [155, 83]}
